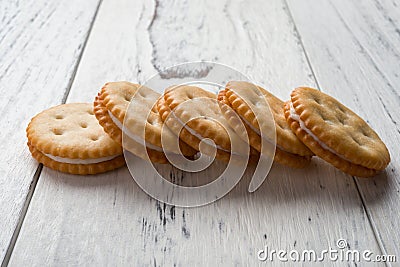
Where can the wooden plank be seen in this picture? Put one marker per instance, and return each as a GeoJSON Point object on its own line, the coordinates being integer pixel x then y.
{"type": "Point", "coordinates": [354, 67]}
{"type": "Point", "coordinates": [40, 45]}
{"type": "Point", "coordinates": [108, 220]}
{"type": "Point", "coordinates": [376, 26]}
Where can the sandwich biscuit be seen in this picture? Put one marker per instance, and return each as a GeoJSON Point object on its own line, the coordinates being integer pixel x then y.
{"type": "Point", "coordinates": [143, 125]}
{"type": "Point", "coordinates": [68, 138]}
{"type": "Point", "coordinates": [253, 103]}
{"type": "Point", "coordinates": [199, 120]}
{"type": "Point", "coordinates": [335, 133]}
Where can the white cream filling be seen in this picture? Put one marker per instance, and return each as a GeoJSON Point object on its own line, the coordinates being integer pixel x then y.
{"type": "Point", "coordinates": [132, 136]}
{"type": "Point", "coordinates": [80, 161]}
{"type": "Point", "coordinates": [296, 117]}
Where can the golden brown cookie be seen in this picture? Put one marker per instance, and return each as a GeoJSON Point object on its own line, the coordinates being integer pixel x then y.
{"type": "Point", "coordinates": [68, 138]}
{"type": "Point", "coordinates": [110, 106]}
{"type": "Point", "coordinates": [143, 126]}
{"type": "Point", "coordinates": [198, 120]}
{"type": "Point", "coordinates": [335, 133]}
{"type": "Point", "coordinates": [247, 100]}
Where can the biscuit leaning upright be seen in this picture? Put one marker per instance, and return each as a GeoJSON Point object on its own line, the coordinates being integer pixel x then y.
{"type": "Point", "coordinates": [335, 133]}
{"type": "Point", "coordinates": [69, 139]}
{"type": "Point", "coordinates": [197, 121]}
{"type": "Point", "coordinates": [252, 104]}
{"type": "Point", "coordinates": [143, 125]}
{"type": "Point", "coordinates": [110, 106]}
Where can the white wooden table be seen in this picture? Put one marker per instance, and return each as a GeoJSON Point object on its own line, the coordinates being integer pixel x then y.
{"type": "Point", "coordinates": [53, 52]}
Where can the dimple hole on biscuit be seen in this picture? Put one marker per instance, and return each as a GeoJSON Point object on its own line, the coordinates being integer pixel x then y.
{"type": "Point", "coordinates": [153, 182]}
{"type": "Point", "coordinates": [58, 131]}
{"type": "Point", "coordinates": [64, 127]}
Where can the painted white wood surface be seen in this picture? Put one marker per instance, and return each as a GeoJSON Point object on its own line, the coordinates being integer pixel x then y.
{"type": "Point", "coordinates": [40, 44]}
{"type": "Point", "coordinates": [376, 25]}
{"type": "Point", "coordinates": [107, 220]}
{"type": "Point", "coordinates": [354, 52]}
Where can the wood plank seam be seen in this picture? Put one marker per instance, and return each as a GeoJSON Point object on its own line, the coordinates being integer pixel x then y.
{"type": "Point", "coordinates": [71, 80]}
{"type": "Point", "coordinates": [373, 62]}
{"type": "Point", "coordinates": [21, 218]}
{"type": "Point", "coordinates": [371, 223]}
{"type": "Point", "coordinates": [389, 83]}
{"type": "Point", "coordinates": [301, 44]}
{"type": "Point", "coordinates": [39, 169]}
{"type": "Point", "coordinates": [363, 48]}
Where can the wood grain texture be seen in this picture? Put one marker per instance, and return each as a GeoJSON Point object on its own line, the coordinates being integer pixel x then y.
{"type": "Point", "coordinates": [40, 43]}
{"type": "Point", "coordinates": [376, 25]}
{"type": "Point", "coordinates": [361, 69]}
{"type": "Point", "coordinates": [108, 220]}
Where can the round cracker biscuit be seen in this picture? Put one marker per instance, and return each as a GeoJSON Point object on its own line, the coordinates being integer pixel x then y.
{"type": "Point", "coordinates": [193, 140]}
{"type": "Point", "coordinates": [71, 131]}
{"type": "Point", "coordinates": [243, 94]}
{"type": "Point", "coordinates": [115, 98]}
{"type": "Point", "coordinates": [144, 120]}
{"type": "Point", "coordinates": [115, 133]}
{"type": "Point", "coordinates": [225, 106]}
{"type": "Point", "coordinates": [351, 145]}
{"type": "Point", "coordinates": [198, 118]}
{"type": "Point", "coordinates": [206, 127]}
{"type": "Point", "coordinates": [176, 96]}
{"type": "Point", "coordinates": [282, 157]}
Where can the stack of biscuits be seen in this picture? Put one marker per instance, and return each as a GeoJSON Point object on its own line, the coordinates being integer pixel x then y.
{"type": "Point", "coordinates": [83, 138]}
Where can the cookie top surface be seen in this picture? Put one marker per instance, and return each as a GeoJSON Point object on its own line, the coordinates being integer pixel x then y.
{"type": "Point", "coordinates": [201, 113]}
{"type": "Point", "coordinates": [259, 100]}
{"type": "Point", "coordinates": [70, 131]}
{"type": "Point", "coordinates": [176, 95]}
{"type": "Point", "coordinates": [116, 97]}
{"type": "Point", "coordinates": [339, 128]}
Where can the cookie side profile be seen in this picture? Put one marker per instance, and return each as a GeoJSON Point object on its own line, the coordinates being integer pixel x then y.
{"type": "Point", "coordinates": [335, 133]}
{"type": "Point", "coordinates": [77, 168]}
{"type": "Point", "coordinates": [245, 99]}
{"type": "Point", "coordinates": [110, 106]}
{"type": "Point", "coordinates": [68, 138]}
{"type": "Point", "coordinates": [102, 114]}
{"type": "Point", "coordinates": [201, 119]}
